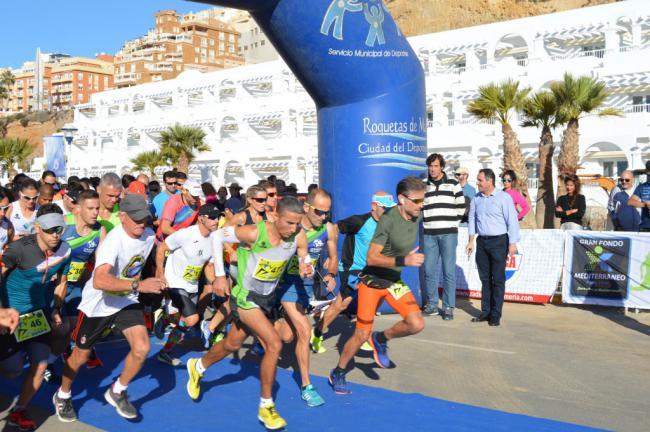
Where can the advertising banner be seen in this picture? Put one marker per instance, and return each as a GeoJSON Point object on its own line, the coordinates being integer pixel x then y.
{"type": "Point", "coordinates": [55, 154]}
{"type": "Point", "coordinates": [607, 268]}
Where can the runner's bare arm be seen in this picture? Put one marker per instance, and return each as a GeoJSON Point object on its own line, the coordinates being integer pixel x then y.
{"type": "Point", "coordinates": [332, 241]}
{"type": "Point", "coordinates": [377, 259]}
{"type": "Point", "coordinates": [160, 259]}
{"type": "Point", "coordinates": [246, 234]}
{"type": "Point", "coordinates": [306, 269]}
{"type": "Point", "coordinates": [102, 234]}
{"type": "Point", "coordinates": [166, 227]}
{"type": "Point", "coordinates": [60, 291]}
{"type": "Point", "coordinates": [105, 281]}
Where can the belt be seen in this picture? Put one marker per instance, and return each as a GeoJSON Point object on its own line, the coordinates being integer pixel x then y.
{"type": "Point", "coordinates": [486, 237]}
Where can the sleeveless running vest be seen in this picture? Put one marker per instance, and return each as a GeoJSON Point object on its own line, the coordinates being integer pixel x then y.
{"type": "Point", "coordinates": [112, 221]}
{"type": "Point", "coordinates": [22, 225]}
{"type": "Point", "coordinates": [316, 242]}
{"type": "Point", "coordinates": [260, 267]}
{"type": "Point", "coordinates": [82, 248]}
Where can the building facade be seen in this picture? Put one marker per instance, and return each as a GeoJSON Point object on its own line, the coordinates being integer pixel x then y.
{"type": "Point", "coordinates": [177, 43]}
{"type": "Point", "coordinates": [260, 121]}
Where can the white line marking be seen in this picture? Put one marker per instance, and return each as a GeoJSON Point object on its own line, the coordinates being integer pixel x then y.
{"type": "Point", "coordinates": [462, 346]}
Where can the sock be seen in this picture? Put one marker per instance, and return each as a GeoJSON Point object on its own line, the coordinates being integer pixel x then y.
{"type": "Point", "coordinates": [199, 367]}
{"type": "Point", "coordinates": [64, 395]}
{"type": "Point", "coordinates": [265, 403]}
{"type": "Point", "coordinates": [118, 387]}
{"type": "Point", "coordinates": [175, 336]}
{"type": "Point", "coordinates": [339, 371]}
{"type": "Point", "coordinates": [381, 338]}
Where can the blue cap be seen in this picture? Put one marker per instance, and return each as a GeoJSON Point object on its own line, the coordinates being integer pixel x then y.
{"type": "Point", "coordinates": [384, 200]}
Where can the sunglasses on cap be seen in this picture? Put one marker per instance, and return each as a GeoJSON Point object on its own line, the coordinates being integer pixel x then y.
{"type": "Point", "coordinates": [319, 212]}
{"type": "Point", "coordinates": [259, 200]}
{"type": "Point", "coordinates": [415, 200]}
{"type": "Point", "coordinates": [54, 230]}
{"type": "Point", "coordinates": [624, 180]}
{"type": "Point", "coordinates": [28, 198]}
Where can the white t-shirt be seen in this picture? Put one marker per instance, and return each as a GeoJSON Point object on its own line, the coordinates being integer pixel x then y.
{"type": "Point", "coordinates": [127, 256]}
{"type": "Point", "coordinates": [190, 252]}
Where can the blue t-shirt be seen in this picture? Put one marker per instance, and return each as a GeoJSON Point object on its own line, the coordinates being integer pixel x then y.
{"type": "Point", "coordinates": [642, 191]}
{"type": "Point", "coordinates": [159, 201]}
{"type": "Point", "coordinates": [469, 191]}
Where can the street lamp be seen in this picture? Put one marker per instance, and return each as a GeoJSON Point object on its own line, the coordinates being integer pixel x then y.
{"type": "Point", "coordinates": [68, 133]}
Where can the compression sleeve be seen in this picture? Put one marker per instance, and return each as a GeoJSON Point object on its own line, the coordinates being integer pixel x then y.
{"type": "Point", "coordinates": [224, 235]}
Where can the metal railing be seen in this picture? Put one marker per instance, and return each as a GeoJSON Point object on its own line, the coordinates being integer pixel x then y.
{"type": "Point", "coordinates": [637, 108]}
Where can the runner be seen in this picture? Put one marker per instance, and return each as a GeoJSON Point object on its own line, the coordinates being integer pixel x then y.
{"type": "Point", "coordinates": [358, 230]}
{"type": "Point", "coordinates": [32, 263]}
{"type": "Point", "coordinates": [6, 227]}
{"type": "Point", "coordinates": [271, 245]}
{"type": "Point", "coordinates": [45, 194]}
{"type": "Point", "coordinates": [67, 203]}
{"type": "Point", "coordinates": [22, 212]}
{"type": "Point", "coordinates": [189, 251]}
{"type": "Point", "coordinates": [180, 210]}
{"type": "Point", "coordinates": [158, 203]}
{"type": "Point", "coordinates": [295, 292]}
{"type": "Point", "coordinates": [8, 320]}
{"type": "Point", "coordinates": [110, 191]}
{"type": "Point", "coordinates": [110, 298]}
{"type": "Point", "coordinates": [271, 199]}
{"type": "Point", "coordinates": [391, 249]}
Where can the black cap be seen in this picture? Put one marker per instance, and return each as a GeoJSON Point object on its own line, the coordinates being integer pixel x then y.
{"type": "Point", "coordinates": [210, 210]}
{"type": "Point", "coordinates": [74, 190]}
{"type": "Point", "coordinates": [135, 206]}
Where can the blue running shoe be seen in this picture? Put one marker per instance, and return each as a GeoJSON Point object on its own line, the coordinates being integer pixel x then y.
{"type": "Point", "coordinates": [379, 351]}
{"type": "Point", "coordinates": [257, 349]}
{"type": "Point", "coordinates": [311, 396]}
{"type": "Point", "coordinates": [206, 334]}
{"type": "Point", "coordinates": [339, 384]}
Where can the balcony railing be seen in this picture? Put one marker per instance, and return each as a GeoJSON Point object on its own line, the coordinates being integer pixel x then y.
{"type": "Point", "coordinates": [127, 77]}
{"type": "Point", "coordinates": [598, 53]}
{"type": "Point", "coordinates": [469, 121]}
{"type": "Point", "coordinates": [637, 108]}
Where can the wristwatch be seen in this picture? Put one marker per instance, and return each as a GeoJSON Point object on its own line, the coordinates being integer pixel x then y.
{"type": "Point", "coordinates": [134, 286]}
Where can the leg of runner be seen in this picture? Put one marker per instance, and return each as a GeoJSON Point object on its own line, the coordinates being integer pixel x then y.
{"type": "Point", "coordinates": [336, 308]}
{"type": "Point", "coordinates": [302, 327]}
{"type": "Point", "coordinates": [175, 337]}
{"type": "Point", "coordinates": [38, 353]}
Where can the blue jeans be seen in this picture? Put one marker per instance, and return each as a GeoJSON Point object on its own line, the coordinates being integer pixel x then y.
{"type": "Point", "coordinates": [441, 246]}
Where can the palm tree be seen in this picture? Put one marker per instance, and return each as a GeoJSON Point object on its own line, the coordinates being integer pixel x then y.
{"type": "Point", "coordinates": [15, 151]}
{"type": "Point", "coordinates": [7, 80]}
{"type": "Point", "coordinates": [179, 144]}
{"type": "Point", "coordinates": [496, 102]}
{"type": "Point", "coordinates": [576, 98]}
{"type": "Point", "coordinates": [541, 111]}
{"type": "Point", "coordinates": [148, 161]}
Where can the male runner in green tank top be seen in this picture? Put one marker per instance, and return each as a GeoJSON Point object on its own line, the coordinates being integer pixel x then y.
{"type": "Point", "coordinates": [253, 299]}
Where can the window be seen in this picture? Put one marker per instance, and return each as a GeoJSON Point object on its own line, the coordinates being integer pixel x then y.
{"type": "Point", "coordinates": [221, 46]}
{"type": "Point", "coordinates": [263, 42]}
{"type": "Point", "coordinates": [80, 76]}
{"type": "Point", "coordinates": [641, 103]}
{"type": "Point", "coordinates": [231, 38]}
{"type": "Point", "coordinates": [232, 49]}
{"type": "Point", "coordinates": [211, 42]}
{"type": "Point", "coordinates": [533, 169]}
{"type": "Point", "coordinates": [620, 167]}
{"type": "Point", "coordinates": [608, 169]}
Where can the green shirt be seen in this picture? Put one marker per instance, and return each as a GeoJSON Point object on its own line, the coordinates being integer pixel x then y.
{"type": "Point", "coordinates": [398, 237]}
{"type": "Point", "coordinates": [112, 221]}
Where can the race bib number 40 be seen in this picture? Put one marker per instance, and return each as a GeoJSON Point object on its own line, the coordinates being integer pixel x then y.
{"type": "Point", "coordinates": [76, 270]}
{"type": "Point", "coordinates": [399, 290]}
{"type": "Point", "coordinates": [31, 325]}
{"type": "Point", "coordinates": [192, 273]}
{"type": "Point", "coordinates": [268, 271]}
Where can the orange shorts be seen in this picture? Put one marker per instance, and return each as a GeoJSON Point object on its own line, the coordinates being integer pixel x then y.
{"type": "Point", "coordinates": [369, 299]}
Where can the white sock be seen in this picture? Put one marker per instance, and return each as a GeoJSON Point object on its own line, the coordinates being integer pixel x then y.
{"type": "Point", "coordinates": [199, 367]}
{"type": "Point", "coordinates": [118, 387]}
{"type": "Point", "coordinates": [63, 395]}
{"type": "Point", "coordinates": [265, 403]}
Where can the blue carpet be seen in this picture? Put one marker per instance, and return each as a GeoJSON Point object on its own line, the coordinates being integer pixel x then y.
{"type": "Point", "coordinates": [231, 395]}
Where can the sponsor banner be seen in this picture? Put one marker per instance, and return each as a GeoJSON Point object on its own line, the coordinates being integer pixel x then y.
{"type": "Point", "coordinates": [607, 268]}
{"type": "Point", "coordinates": [532, 275]}
{"type": "Point", "coordinates": [55, 154]}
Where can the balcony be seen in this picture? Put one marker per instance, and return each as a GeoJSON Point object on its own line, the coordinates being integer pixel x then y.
{"type": "Point", "coordinates": [636, 108]}
{"type": "Point", "coordinates": [127, 78]}
{"type": "Point", "coordinates": [598, 53]}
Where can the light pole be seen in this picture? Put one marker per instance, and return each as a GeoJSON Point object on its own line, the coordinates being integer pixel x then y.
{"type": "Point", "coordinates": [68, 133]}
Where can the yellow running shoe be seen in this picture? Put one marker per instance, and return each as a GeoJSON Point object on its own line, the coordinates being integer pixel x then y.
{"type": "Point", "coordinates": [366, 346]}
{"type": "Point", "coordinates": [271, 419]}
{"type": "Point", "coordinates": [317, 343]}
{"type": "Point", "coordinates": [193, 379]}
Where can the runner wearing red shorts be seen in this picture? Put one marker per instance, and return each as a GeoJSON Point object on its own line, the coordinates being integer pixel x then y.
{"type": "Point", "coordinates": [392, 248]}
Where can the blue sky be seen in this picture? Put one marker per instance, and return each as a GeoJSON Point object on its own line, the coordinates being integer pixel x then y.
{"type": "Point", "coordinates": [76, 27]}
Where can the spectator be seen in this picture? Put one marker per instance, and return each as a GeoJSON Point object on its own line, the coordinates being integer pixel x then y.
{"type": "Point", "coordinates": [625, 217]}
{"type": "Point", "coordinates": [610, 205]}
{"type": "Point", "coordinates": [126, 180]}
{"type": "Point", "coordinates": [171, 188]}
{"type": "Point", "coordinates": [222, 197]}
{"type": "Point", "coordinates": [210, 193]}
{"type": "Point", "coordinates": [154, 189]}
{"type": "Point", "coordinates": [493, 217]}
{"type": "Point", "coordinates": [510, 187]}
{"type": "Point", "coordinates": [641, 199]}
{"type": "Point", "coordinates": [462, 174]}
{"type": "Point", "coordinates": [144, 179]}
{"type": "Point", "coordinates": [235, 203]}
{"type": "Point", "coordinates": [571, 207]}
{"type": "Point", "coordinates": [48, 177]}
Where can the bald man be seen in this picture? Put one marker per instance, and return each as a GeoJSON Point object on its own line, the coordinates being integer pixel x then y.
{"type": "Point", "coordinates": [45, 194]}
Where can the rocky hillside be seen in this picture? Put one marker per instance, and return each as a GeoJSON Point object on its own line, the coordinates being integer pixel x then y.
{"type": "Point", "coordinates": [427, 16]}
{"type": "Point", "coordinates": [34, 126]}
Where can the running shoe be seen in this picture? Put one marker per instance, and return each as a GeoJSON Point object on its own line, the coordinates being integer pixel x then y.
{"type": "Point", "coordinates": [64, 409]}
{"type": "Point", "coordinates": [257, 349]}
{"type": "Point", "coordinates": [311, 396]}
{"type": "Point", "coordinates": [94, 360]}
{"type": "Point", "coordinates": [430, 309]}
{"type": "Point", "coordinates": [49, 376]}
{"type": "Point", "coordinates": [379, 351]}
{"type": "Point", "coordinates": [216, 338]}
{"type": "Point", "coordinates": [339, 384]}
{"type": "Point", "coordinates": [366, 347]}
{"type": "Point", "coordinates": [159, 323]}
{"type": "Point", "coordinates": [316, 343]}
{"type": "Point", "coordinates": [271, 419]}
{"type": "Point", "coordinates": [165, 357]}
{"type": "Point", "coordinates": [18, 418]}
{"type": "Point", "coordinates": [206, 334]}
{"type": "Point", "coordinates": [193, 379]}
{"type": "Point", "coordinates": [121, 403]}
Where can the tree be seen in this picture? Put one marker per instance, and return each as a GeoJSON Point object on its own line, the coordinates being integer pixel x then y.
{"type": "Point", "coordinates": [15, 151]}
{"type": "Point", "coordinates": [542, 111]}
{"type": "Point", "coordinates": [496, 102]}
{"type": "Point", "coordinates": [179, 144]}
{"type": "Point", "coordinates": [7, 80]}
{"type": "Point", "coordinates": [577, 98]}
{"type": "Point", "coordinates": [148, 161]}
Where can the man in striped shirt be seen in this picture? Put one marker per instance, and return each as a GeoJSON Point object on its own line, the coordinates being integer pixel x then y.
{"type": "Point", "coordinates": [444, 206]}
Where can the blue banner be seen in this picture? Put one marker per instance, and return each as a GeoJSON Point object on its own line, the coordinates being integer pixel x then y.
{"type": "Point", "coordinates": [55, 154]}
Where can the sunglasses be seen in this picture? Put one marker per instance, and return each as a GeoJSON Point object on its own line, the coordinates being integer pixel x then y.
{"type": "Point", "coordinates": [415, 200]}
{"type": "Point", "coordinates": [507, 180]}
{"type": "Point", "coordinates": [271, 194]}
{"type": "Point", "coordinates": [457, 175]}
{"type": "Point", "coordinates": [171, 183]}
{"type": "Point", "coordinates": [259, 200]}
{"type": "Point", "coordinates": [54, 230]}
{"type": "Point", "coordinates": [319, 212]}
{"type": "Point", "coordinates": [623, 180]}
{"type": "Point", "coordinates": [3, 208]}
{"type": "Point", "coordinates": [28, 198]}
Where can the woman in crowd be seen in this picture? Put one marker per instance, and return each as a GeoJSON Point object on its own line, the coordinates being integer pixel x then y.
{"type": "Point", "coordinates": [510, 187]}
{"type": "Point", "coordinates": [571, 207]}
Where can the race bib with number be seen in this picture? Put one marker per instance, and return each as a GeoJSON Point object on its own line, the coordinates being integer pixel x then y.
{"type": "Point", "coordinates": [31, 325]}
{"type": "Point", "coordinates": [294, 268]}
{"type": "Point", "coordinates": [399, 290]}
{"type": "Point", "coordinates": [76, 270]}
{"type": "Point", "coordinates": [268, 271]}
{"type": "Point", "coordinates": [192, 273]}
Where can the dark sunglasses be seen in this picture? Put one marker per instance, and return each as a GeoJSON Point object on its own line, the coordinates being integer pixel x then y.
{"type": "Point", "coordinates": [622, 180]}
{"type": "Point", "coordinates": [259, 200]}
{"type": "Point", "coordinates": [171, 183]}
{"type": "Point", "coordinates": [54, 230]}
{"type": "Point", "coordinates": [319, 212]}
{"type": "Point", "coordinates": [28, 198]}
{"type": "Point", "coordinates": [271, 194]}
{"type": "Point", "coordinates": [457, 175]}
{"type": "Point", "coordinates": [507, 180]}
{"type": "Point", "coordinates": [415, 200]}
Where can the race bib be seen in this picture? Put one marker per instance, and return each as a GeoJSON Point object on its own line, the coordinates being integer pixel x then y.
{"type": "Point", "coordinates": [294, 268]}
{"type": "Point", "coordinates": [399, 290]}
{"type": "Point", "coordinates": [31, 325]}
{"type": "Point", "coordinates": [192, 273]}
{"type": "Point", "coordinates": [76, 270]}
{"type": "Point", "coordinates": [268, 271]}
